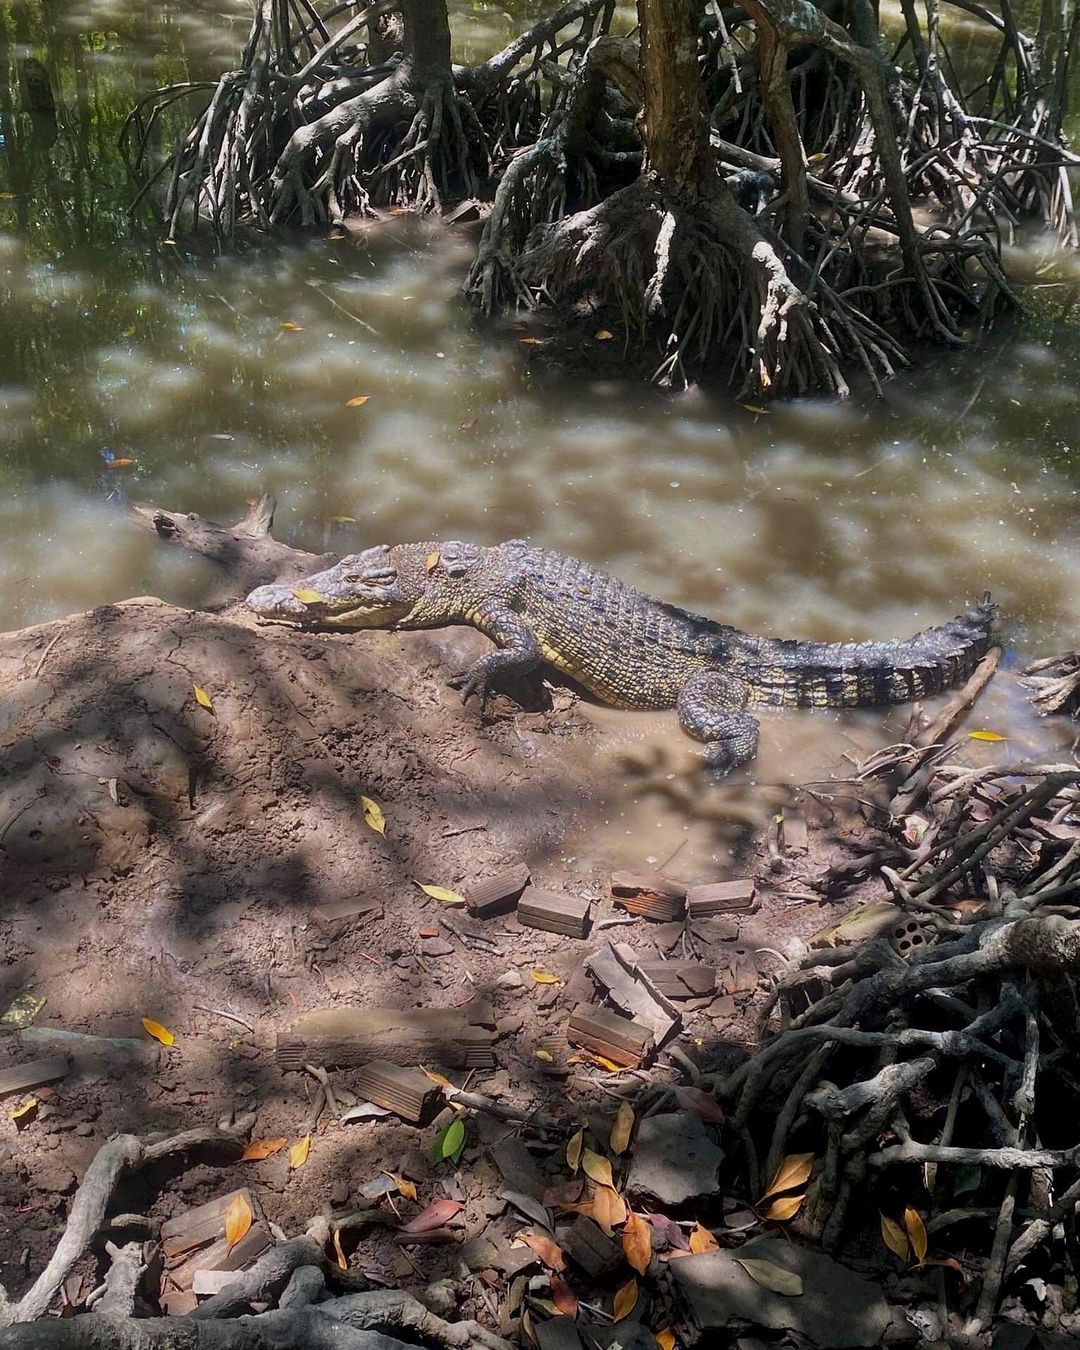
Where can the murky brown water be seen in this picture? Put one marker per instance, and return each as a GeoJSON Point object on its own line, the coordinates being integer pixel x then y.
{"type": "Point", "coordinates": [872, 518]}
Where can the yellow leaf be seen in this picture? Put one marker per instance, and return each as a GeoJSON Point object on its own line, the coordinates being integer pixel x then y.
{"type": "Point", "coordinates": [237, 1219]}
{"type": "Point", "coordinates": [128, 332]}
{"type": "Point", "coordinates": [608, 1208]}
{"type": "Point", "coordinates": [573, 1150]}
{"type": "Point", "coordinates": [432, 561]}
{"type": "Point", "coordinates": [608, 1064]}
{"type": "Point", "coordinates": [771, 1276]}
{"type": "Point", "coordinates": [625, 1301]}
{"type": "Point", "coordinates": [299, 1152]}
{"type": "Point", "coordinates": [620, 1131]}
{"type": "Point", "coordinates": [637, 1243]}
{"type": "Point", "coordinates": [307, 597]}
{"type": "Point", "coordinates": [819, 158]}
{"type": "Point", "coordinates": [290, 327]}
{"type": "Point", "coordinates": [24, 1114]}
{"type": "Point", "coordinates": [405, 1187]}
{"type": "Point", "coordinates": [754, 408]}
{"type": "Point", "coordinates": [342, 520]}
{"type": "Point", "coordinates": [358, 401]}
{"type": "Point", "coordinates": [784, 1207]}
{"type": "Point", "coordinates": [339, 1254]}
{"type": "Point", "coordinates": [665, 1339]}
{"type": "Point", "coordinates": [894, 1237]}
{"type": "Point", "coordinates": [603, 335]}
{"type": "Point", "coordinates": [262, 1148]}
{"type": "Point", "coordinates": [916, 1231]}
{"type": "Point", "coordinates": [793, 1172]}
{"type": "Point", "coordinates": [202, 698]}
{"type": "Point", "coordinates": [437, 1078]}
{"type": "Point", "coordinates": [545, 1056]}
{"type": "Point", "coordinates": [543, 977]}
{"type": "Point", "coordinates": [701, 1240]}
{"type": "Point", "coordinates": [597, 1168]}
{"type": "Point", "coordinates": [159, 1033]}
{"type": "Point", "coordinates": [986, 736]}
{"type": "Point", "coordinates": [441, 893]}
{"type": "Point", "coordinates": [373, 815]}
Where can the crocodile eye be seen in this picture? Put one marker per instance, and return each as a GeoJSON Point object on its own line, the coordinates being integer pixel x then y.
{"type": "Point", "coordinates": [353, 577]}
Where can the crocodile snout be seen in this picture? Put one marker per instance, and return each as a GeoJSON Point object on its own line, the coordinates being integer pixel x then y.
{"type": "Point", "coordinates": [276, 602]}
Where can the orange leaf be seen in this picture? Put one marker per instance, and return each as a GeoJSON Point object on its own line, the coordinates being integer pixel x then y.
{"type": "Point", "coordinates": [916, 1231]}
{"type": "Point", "coordinates": [608, 1208]}
{"type": "Point", "coordinates": [438, 1078]}
{"type": "Point", "coordinates": [299, 1152]}
{"type": "Point", "coordinates": [563, 1297]}
{"type": "Point", "coordinates": [701, 1240]}
{"type": "Point", "coordinates": [637, 1243]}
{"type": "Point", "coordinates": [625, 1301]}
{"type": "Point", "coordinates": [358, 401]}
{"type": "Point", "coordinates": [546, 1248]}
{"type": "Point", "coordinates": [665, 1339]}
{"type": "Point", "coordinates": [159, 1033]}
{"type": "Point", "coordinates": [621, 1130]}
{"type": "Point", "coordinates": [405, 1187]}
{"type": "Point", "coordinates": [261, 1148]}
{"type": "Point", "coordinates": [784, 1207]}
{"type": "Point", "coordinates": [118, 463]}
{"type": "Point", "coordinates": [339, 1255]}
{"type": "Point", "coordinates": [237, 1219]}
{"type": "Point", "coordinates": [793, 1172]}
{"type": "Point", "coordinates": [894, 1237]}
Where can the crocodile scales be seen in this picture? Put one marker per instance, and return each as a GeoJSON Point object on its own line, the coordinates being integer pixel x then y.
{"type": "Point", "coordinates": [627, 649]}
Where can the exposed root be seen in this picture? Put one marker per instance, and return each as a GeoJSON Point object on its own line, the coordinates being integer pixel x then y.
{"type": "Point", "coordinates": [1055, 684]}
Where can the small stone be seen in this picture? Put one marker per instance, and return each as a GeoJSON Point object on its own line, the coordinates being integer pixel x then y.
{"type": "Point", "coordinates": [511, 979]}
{"type": "Point", "coordinates": [84, 1129]}
{"type": "Point", "coordinates": [339, 1194]}
{"type": "Point", "coordinates": [436, 946]}
{"type": "Point", "coordinates": [675, 1160]}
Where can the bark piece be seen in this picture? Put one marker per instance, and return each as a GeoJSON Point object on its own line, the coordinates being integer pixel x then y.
{"type": "Point", "coordinates": [619, 1039]}
{"type": "Point", "coordinates": [675, 1159]}
{"type": "Point", "coordinates": [588, 1247]}
{"type": "Point", "coordinates": [555, 913]}
{"type": "Point", "coordinates": [497, 895]}
{"type": "Point", "coordinates": [409, 1093]}
{"type": "Point", "coordinates": [649, 894]}
{"type": "Point", "coordinates": [680, 979]}
{"type": "Point", "coordinates": [339, 917]}
{"type": "Point", "coordinates": [616, 967]}
{"type": "Point", "coordinates": [33, 1073]}
{"type": "Point", "coordinates": [202, 1225]}
{"type": "Point", "coordinates": [349, 1038]}
{"type": "Point", "coordinates": [836, 1308]}
{"type": "Point", "coordinates": [720, 897]}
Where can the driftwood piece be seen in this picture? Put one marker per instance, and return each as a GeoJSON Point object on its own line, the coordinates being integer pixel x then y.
{"type": "Point", "coordinates": [338, 917]}
{"type": "Point", "coordinates": [555, 913]}
{"type": "Point", "coordinates": [605, 1033]}
{"type": "Point", "coordinates": [410, 1093]}
{"type": "Point", "coordinates": [616, 967]}
{"type": "Point", "coordinates": [720, 897]}
{"type": "Point", "coordinates": [649, 894]}
{"type": "Point", "coordinates": [492, 896]}
{"type": "Point", "coordinates": [348, 1038]}
{"type": "Point", "coordinates": [680, 979]}
{"type": "Point", "coordinates": [33, 1073]}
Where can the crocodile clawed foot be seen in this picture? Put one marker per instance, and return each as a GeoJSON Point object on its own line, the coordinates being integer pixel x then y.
{"type": "Point", "coordinates": [472, 683]}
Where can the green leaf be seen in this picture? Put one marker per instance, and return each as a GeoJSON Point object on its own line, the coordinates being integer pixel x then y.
{"type": "Point", "coordinates": [449, 1142]}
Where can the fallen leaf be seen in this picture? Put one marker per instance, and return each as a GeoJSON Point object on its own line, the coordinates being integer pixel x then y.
{"type": "Point", "coordinates": [702, 1104]}
{"type": "Point", "coordinates": [606, 1063]}
{"type": "Point", "coordinates": [342, 520]}
{"type": "Point", "coordinates": [784, 1207]}
{"type": "Point", "coordinates": [986, 736]}
{"type": "Point", "coordinates": [432, 561]}
{"type": "Point", "coordinates": [637, 1243]}
{"type": "Point", "coordinates": [358, 401]}
{"type": "Point", "coordinates": [237, 1219]}
{"type": "Point", "coordinates": [608, 1208]}
{"type": "Point", "coordinates": [441, 893]}
{"type": "Point", "coordinates": [438, 1078]}
{"type": "Point", "coordinates": [307, 597]}
{"type": "Point", "coordinates": [545, 1056]}
{"type": "Point", "coordinates": [701, 1240]}
{"type": "Point", "coordinates": [793, 1172]}
{"type": "Point", "coordinates": [405, 1187]}
{"type": "Point", "coordinates": [202, 698]}
{"type": "Point", "coordinates": [546, 1248]}
{"type": "Point", "coordinates": [621, 1130]}
{"type": "Point", "coordinates": [469, 425]}
{"type": "Point", "coordinates": [527, 1327]}
{"type": "Point", "coordinates": [563, 1297]}
{"type": "Point", "coordinates": [754, 408]}
{"type": "Point", "coordinates": [603, 335]}
{"type": "Point", "coordinates": [262, 1148]}
{"type": "Point", "coordinates": [532, 341]}
{"type": "Point", "coordinates": [373, 815]}
{"type": "Point", "coordinates": [771, 1276]}
{"type": "Point", "coordinates": [819, 158]}
{"type": "Point", "coordinates": [436, 1214]}
{"type": "Point", "coordinates": [339, 1255]}
{"type": "Point", "coordinates": [894, 1237]}
{"type": "Point", "coordinates": [159, 1033]}
{"type": "Point", "coordinates": [300, 1152]}
{"type": "Point", "coordinates": [544, 977]}
{"type": "Point", "coordinates": [527, 1205]}
{"type": "Point", "coordinates": [449, 1142]}
{"type": "Point", "coordinates": [119, 463]}
{"type": "Point", "coordinates": [665, 1339]}
{"type": "Point", "coordinates": [597, 1168]}
{"type": "Point", "coordinates": [574, 1149]}
{"type": "Point", "coordinates": [291, 327]}
{"type": "Point", "coordinates": [363, 1111]}
{"type": "Point", "coordinates": [625, 1301]}
{"type": "Point", "coordinates": [916, 1231]}
{"type": "Point", "coordinates": [24, 1114]}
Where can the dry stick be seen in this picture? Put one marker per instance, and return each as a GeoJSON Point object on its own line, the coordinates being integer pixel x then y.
{"type": "Point", "coordinates": [791, 1108]}
{"type": "Point", "coordinates": [1039, 1229]}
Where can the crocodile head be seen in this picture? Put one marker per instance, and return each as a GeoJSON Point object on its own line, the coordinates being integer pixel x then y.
{"type": "Point", "coordinates": [374, 589]}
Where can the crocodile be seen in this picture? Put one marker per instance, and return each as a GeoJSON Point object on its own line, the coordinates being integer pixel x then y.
{"type": "Point", "coordinates": [627, 649]}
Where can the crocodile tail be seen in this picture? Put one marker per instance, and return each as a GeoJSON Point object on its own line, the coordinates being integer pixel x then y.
{"type": "Point", "coordinates": [867, 674]}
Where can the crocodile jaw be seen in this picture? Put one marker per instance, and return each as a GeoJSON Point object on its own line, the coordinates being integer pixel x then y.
{"type": "Point", "coordinates": [276, 602]}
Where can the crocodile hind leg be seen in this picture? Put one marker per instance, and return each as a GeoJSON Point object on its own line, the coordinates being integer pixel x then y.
{"type": "Point", "coordinates": [517, 652]}
{"type": "Point", "coordinates": [712, 708]}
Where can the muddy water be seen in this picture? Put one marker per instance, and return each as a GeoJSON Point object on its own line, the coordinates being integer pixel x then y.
{"type": "Point", "coordinates": [132, 370]}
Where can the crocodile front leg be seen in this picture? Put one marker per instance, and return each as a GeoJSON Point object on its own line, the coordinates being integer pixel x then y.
{"type": "Point", "coordinates": [518, 652]}
{"type": "Point", "coordinates": [712, 708]}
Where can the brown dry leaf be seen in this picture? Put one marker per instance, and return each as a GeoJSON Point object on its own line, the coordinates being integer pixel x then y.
{"type": "Point", "coordinates": [339, 1255]}
{"type": "Point", "coordinates": [437, 1078]}
{"type": "Point", "coordinates": [405, 1187]}
{"type": "Point", "coordinates": [527, 1327]}
{"type": "Point", "coordinates": [665, 1339]}
{"type": "Point", "coordinates": [237, 1219]}
{"type": "Point", "coordinates": [119, 463]}
{"type": "Point", "coordinates": [596, 1168]}
{"type": "Point", "coordinates": [621, 1130]}
{"type": "Point", "coordinates": [637, 1243]}
{"type": "Point", "coordinates": [986, 736]}
{"type": "Point", "coordinates": [702, 1104]}
{"type": "Point", "coordinates": [299, 1152]}
{"type": "Point", "coordinates": [625, 1301]}
{"type": "Point", "coordinates": [441, 893]}
{"type": "Point", "coordinates": [563, 1297]}
{"type": "Point", "coordinates": [608, 1208]}
{"type": "Point", "coordinates": [202, 698]}
{"type": "Point", "coordinates": [289, 327]}
{"type": "Point", "coordinates": [701, 1240]}
{"type": "Point", "coordinates": [771, 1276]}
{"type": "Point", "coordinates": [784, 1207]}
{"type": "Point", "coordinates": [916, 1231]}
{"type": "Point", "coordinates": [574, 1149]}
{"type": "Point", "coordinates": [159, 1033]}
{"type": "Point", "coordinates": [373, 815]}
{"type": "Point", "coordinates": [358, 401]}
{"type": "Point", "coordinates": [432, 561]}
{"type": "Point", "coordinates": [262, 1148]}
{"type": "Point", "coordinates": [544, 977]}
{"type": "Point", "coordinates": [894, 1237]}
{"type": "Point", "coordinates": [436, 1214]}
{"type": "Point", "coordinates": [546, 1248]}
{"type": "Point", "coordinates": [24, 1114]}
{"type": "Point", "coordinates": [793, 1172]}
